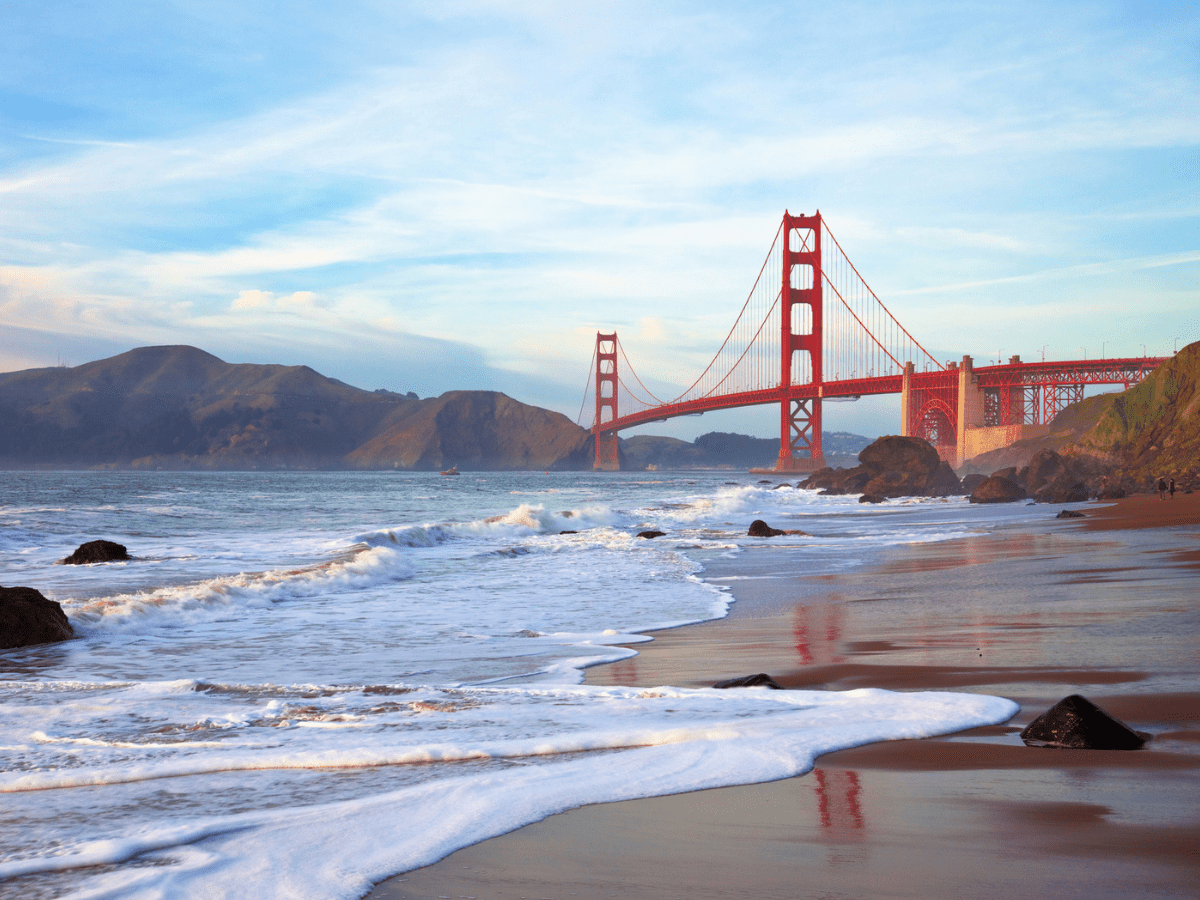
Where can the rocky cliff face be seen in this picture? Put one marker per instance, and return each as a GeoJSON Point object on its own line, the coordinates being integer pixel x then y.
{"type": "Point", "coordinates": [179, 407]}
{"type": "Point", "coordinates": [1154, 427]}
{"type": "Point", "coordinates": [1148, 431]}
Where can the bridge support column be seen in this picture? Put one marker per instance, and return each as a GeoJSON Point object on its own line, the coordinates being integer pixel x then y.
{"type": "Point", "coordinates": [800, 304]}
{"type": "Point", "coordinates": [801, 427]}
{"type": "Point", "coordinates": [608, 456]}
{"type": "Point", "coordinates": [970, 408]}
{"type": "Point", "coordinates": [907, 426]}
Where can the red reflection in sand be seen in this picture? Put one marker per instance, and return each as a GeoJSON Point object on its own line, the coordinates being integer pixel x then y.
{"type": "Point", "coordinates": [839, 802]}
{"type": "Point", "coordinates": [625, 672]}
{"type": "Point", "coordinates": [818, 633]}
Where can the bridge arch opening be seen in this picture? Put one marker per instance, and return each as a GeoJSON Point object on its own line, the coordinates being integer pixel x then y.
{"type": "Point", "coordinates": [935, 423]}
{"type": "Point", "coordinates": [800, 239]}
{"type": "Point", "coordinates": [802, 319]}
{"type": "Point", "coordinates": [802, 276]}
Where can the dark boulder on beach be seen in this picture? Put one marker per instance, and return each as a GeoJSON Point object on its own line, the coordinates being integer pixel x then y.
{"type": "Point", "coordinates": [891, 466]}
{"type": "Point", "coordinates": [1061, 492]}
{"type": "Point", "coordinates": [997, 490]}
{"type": "Point", "coordinates": [759, 528]}
{"type": "Point", "coordinates": [1076, 723]}
{"type": "Point", "coordinates": [651, 534]}
{"type": "Point", "coordinates": [1111, 492]}
{"type": "Point", "coordinates": [1069, 514]}
{"type": "Point", "coordinates": [97, 552]}
{"type": "Point", "coordinates": [27, 617]}
{"type": "Point", "coordinates": [972, 481]}
{"type": "Point", "coordinates": [762, 679]}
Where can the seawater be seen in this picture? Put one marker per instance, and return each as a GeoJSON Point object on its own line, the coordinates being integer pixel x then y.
{"type": "Point", "coordinates": [306, 682]}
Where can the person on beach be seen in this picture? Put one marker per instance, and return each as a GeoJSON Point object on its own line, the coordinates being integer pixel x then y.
{"type": "Point", "coordinates": [1171, 489]}
{"type": "Point", "coordinates": [1162, 489]}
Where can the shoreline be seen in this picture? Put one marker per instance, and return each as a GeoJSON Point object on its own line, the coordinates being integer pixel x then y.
{"type": "Point", "coordinates": [1101, 606]}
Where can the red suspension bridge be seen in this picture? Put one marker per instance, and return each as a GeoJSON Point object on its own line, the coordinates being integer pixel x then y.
{"type": "Point", "coordinates": [811, 329]}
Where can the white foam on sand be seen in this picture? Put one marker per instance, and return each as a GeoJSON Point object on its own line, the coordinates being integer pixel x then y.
{"type": "Point", "coordinates": [676, 740]}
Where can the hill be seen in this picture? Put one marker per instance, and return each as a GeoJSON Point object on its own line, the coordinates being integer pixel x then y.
{"type": "Point", "coordinates": [179, 407]}
{"type": "Point", "coordinates": [1148, 431]}
{"type": "Point", "coordinates": [719, 449]}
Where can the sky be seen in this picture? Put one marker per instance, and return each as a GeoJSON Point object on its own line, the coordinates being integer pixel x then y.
{"type": "Point", "coordinates": [431, 196]}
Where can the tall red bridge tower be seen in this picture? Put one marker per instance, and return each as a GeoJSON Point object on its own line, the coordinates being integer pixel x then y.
{"type": "Point", "coordinates": [800, 343]}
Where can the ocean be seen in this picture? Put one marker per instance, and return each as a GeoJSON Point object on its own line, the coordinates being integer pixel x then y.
{"type": "Point", "coordinates": [304, 683]}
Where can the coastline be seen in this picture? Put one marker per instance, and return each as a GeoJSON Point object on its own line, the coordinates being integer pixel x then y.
{"type": "Point", "coordinates": [1102, 606]}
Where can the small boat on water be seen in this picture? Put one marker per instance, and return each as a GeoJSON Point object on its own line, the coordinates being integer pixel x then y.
{"type": "Point", "coordinates": [453, 470]}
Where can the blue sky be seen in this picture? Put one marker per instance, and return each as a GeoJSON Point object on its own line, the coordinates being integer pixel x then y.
{"type": "Point", "coordinates": [428, 196]}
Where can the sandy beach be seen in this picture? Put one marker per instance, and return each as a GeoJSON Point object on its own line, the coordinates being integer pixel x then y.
{"type": "Point", "coordinates": [1106, 606]}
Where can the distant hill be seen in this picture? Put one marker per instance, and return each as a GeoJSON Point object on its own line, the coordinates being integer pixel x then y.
{"type": "Point", "coordinates": [719, 449]}
{"type": "Point", "coordinates": [1148, 431]}
{"type": "Point", "coordinates": [179, 407]}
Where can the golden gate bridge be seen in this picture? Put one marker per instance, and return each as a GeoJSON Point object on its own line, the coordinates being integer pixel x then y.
{"type": "Point", "coordinates": [811, 329]}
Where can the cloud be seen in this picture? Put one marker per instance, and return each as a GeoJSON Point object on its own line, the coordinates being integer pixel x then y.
{"type": "Point", "coordinates": [299, 301]}
{"type": "Point", "coordinates": [495, 175]}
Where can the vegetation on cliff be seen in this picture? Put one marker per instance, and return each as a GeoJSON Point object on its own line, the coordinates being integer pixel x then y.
{"type": "Point", "coordinates": [1150, 431]}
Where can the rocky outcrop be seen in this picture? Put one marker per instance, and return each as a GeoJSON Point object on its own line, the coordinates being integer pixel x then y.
{"type": "Point", "coordinates": [997, 490]}
{"type": "Point", "coordinates": [1069, 514]}
{"type": "Point", "coordinates": [1136, 436]}
{"type": "Point", "coordinates": [651, 534]}
{"type": "Point", "coordinates": [759, 528]}
{"type": "Point", "coordinates": [972, 481]}
{"type": "Point", "coordinates": [1075, 723]}
{"type": "Point", "coordinates": [97, 552]}
{"type": "Point", "coordinates": [762, 679]}
{"type": "Point", "coordinates": [27, 618]}
{"type": "Point", "coordinates": [890, 467]}
{"type": "Point", "coordinates": [1050, 477]}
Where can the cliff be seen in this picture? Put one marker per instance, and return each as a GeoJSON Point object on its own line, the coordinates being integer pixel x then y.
{"type": "Point", "coordinates": [179, 407]}
{"type": "Point", "coordinates": [1148, 431]}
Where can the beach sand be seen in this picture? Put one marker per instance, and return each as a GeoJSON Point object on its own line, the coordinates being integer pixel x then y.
{"type": "Point", "coordinates": [1106, 606]}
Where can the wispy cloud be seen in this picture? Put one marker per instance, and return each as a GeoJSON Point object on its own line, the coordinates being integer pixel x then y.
{"type": "Point", "coordinates": [490, 175]}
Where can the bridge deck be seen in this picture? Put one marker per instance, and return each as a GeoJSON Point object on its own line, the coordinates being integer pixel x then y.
{"type": "Point", "coordinates": [1044, 374]}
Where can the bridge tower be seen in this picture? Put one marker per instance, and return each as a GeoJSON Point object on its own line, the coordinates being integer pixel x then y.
{"type": "Point", "coordinates": [800, 301]}
{"type": "Point", "coordinates": [607, 456]}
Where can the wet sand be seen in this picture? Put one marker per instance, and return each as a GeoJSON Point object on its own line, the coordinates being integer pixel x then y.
{"type": "Point", "coordinates": [1106, 606]}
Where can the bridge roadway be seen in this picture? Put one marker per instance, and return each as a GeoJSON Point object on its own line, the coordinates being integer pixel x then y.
{"type": "Point", "coordinates": [940, 384]}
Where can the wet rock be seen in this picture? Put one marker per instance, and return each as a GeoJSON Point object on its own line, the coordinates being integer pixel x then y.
{"type": "Point", "coordinates": [650, 534]}
{"type": "Point", "coordinates": [891, 467]}
{"type": "Point", "coordinates": [759, 528]}
{"type": "Point", "coordinates": [97, 552]}
{"type": "Point", "coordinates": [1061, 491]}
{"type": "Point", "coordinates": [943, 482]}
{"type": "Point", "coordinates": [762, 679]}
{"type": "Point", "coordinates": [871, 498]}
{"type": "Point", "coordinates": [568, 532]}
{"type": "Point", "coordinates": [995, 489]}
{"type": "Point", "coordinates": [27, 617]}
{"type": "Point", "coordinates": [1076, 723]}
{"type": "Point", "coordinates": [1069, 514]}
{"type": "Point", "coordinates": [972, 481]}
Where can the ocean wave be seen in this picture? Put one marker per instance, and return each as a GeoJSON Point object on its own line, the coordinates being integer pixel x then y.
{"type": "Point", "coordinates": [174, 604]}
